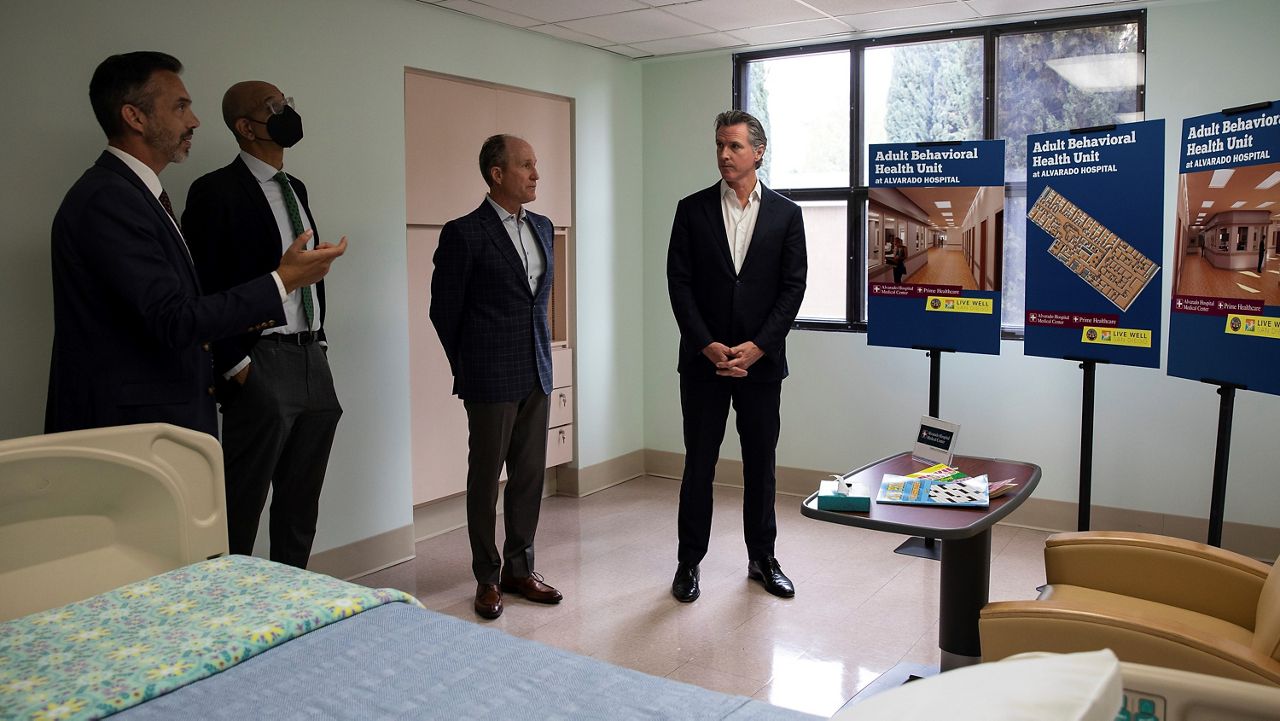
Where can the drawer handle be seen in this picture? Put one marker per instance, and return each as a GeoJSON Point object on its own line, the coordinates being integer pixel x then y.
{"type": "Point", "coordinates": [562, 436]}
{"type": "Point", "coordinates": [564, 400]}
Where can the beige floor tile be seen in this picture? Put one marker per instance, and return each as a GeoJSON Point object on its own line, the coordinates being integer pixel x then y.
{"type": "Point", "coordinates": [709, 678]}
{"type": "Point", "coordinates": [859, 608]}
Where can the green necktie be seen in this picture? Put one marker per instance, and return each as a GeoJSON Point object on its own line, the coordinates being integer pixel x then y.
{"type": "Point", "coordinates": [295, 224]}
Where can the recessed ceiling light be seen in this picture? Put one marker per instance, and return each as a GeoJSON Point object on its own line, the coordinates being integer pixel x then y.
{"type": "Point", "coordinates": [1270, 182]}
{"type": "Point", "coordinates": [1221, 177]}
{"type": "Point", "coordinates": [947, 203]}
{"type": "Point", "coordinates": [1207, 204]}
{"type": "Point", "coordinates": [1267, 204]}
{"type": "Point", "coordinates": [1238, 204]}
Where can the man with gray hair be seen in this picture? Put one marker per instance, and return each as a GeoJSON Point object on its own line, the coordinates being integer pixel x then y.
{"type": "Point", "coordinates": [736, 271]}
{"type": "Point", "coordinates": [489, 292]}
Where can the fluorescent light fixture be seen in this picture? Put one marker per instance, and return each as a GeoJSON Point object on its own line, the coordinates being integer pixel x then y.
{"type": "Point", "coordinates": [1207, 204]}
{"type": "Point", "coordinates": [1267, 204]}
{"type": "Point", "coordinates": [1221, 177]}
{"type": "Point", "coordinates": [1238, 204]}
{"type": "Point", "coordinates": [946, 213]}
{"type": "Point", "coordinates": [1103, 72]}
{"type": "Point", "coordinates": [947, 203]}
{"type": "Point", "coordinates": [1270, 182]}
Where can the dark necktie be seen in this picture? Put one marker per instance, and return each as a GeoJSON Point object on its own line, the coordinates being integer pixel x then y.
{"type": "Point", "coordinates": [295, 224]}
{"type": "Point", "coordinates": [168, 207]}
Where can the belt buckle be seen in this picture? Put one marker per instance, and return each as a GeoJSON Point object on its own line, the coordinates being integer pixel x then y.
{"type": "Point", "coordinates": [305, 337]}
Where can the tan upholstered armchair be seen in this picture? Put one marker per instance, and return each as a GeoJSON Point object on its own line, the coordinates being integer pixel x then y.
{"type": "Point", "coordinates": [1151, 599]}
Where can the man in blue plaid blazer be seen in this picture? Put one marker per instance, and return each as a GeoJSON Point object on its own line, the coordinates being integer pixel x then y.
{"type": "Point", "coordinates": [489, 292]}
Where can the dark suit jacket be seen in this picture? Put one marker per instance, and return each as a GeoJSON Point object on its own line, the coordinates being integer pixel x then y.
{"type": "Point", "coordinates": [493, 328]}
{"type": "Point", "coordinates": [234, 238]}
{"type": "Point", "coordinates": [130, 323]}
{"type": "Point", "coordinates": [758, 303]}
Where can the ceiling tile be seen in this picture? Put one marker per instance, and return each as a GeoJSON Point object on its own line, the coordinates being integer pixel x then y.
{"type": "Point", "coordinates": [628, 51]}
{"type": "Point", "coordinates": [553, 11]}
{"type": "Point", "coordinates": [488, 13]}
{"type": "Point", "coordinates": [917, 17]}
{"type": "Point", "coordinates": [690, 44]}
{"type": "Point", "coordinates": [571, 35]}
{"type": "Point", "coordinates": [734, 14]}
{"type": "Point", "coordinates": [792, 31]}
{"type": "Point", "coordinates": [857, 7]}
{"type": "Point", "coordinates": [1009, 7]}
{"type": "Point", "coordinates": [639, 26]}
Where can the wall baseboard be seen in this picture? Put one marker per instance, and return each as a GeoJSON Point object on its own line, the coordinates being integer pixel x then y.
{"type": "Point", "coordinates": [579, 482]}
{"type": "Point", "coordinates": [448, 514]}
{"type": "Point", "coordinates": [365, 556]}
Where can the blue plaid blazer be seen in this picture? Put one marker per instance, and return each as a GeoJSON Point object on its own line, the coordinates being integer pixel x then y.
{"type": "Point", "coordinates": [493, 328]}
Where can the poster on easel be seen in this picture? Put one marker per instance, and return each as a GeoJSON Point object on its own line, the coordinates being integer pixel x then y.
{"type": "Point", "coordinates": [1095, 205]}
{"type": "Point", "coordinates": [935, 235]}
{"type": "Point", "coordinates": [1224, 319]}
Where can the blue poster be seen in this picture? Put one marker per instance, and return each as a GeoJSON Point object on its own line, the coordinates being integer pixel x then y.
{"type": "Point", "coordinates": [935, 245]}
{"type": "Point", "coordinates": [1224, 319]}
{"type": "Point", "coordinates": [1095, 201]}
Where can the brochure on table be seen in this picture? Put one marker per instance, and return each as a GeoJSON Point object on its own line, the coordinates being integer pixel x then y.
{"type": "Point", "coordinates": [934, 228]}
{"type": "Point", "coordinates": [1094, 245]}
{"type": "Point", "coordinates": [1224, 320]}
{"type": "Point", "coordinates": [910, 491]}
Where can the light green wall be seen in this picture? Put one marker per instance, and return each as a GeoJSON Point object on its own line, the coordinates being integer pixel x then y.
{"type": "Point", "coordinates": [344, 62]}
{"type": "Point", "coordinates": [847, 403]}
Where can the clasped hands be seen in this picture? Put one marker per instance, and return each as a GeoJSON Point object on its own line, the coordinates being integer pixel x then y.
{"type": "Point", "coordinates": [732, 362]}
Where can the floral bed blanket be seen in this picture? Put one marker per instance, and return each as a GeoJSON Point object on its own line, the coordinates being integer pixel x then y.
{"type": "Point", "coordinates": [98, 656]}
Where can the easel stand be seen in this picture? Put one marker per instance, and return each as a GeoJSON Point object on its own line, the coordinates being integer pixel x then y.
{"type": "Point", "coordinates": [916, 546]}
{"type": "Point", "coordinates": [1086, 442]}
{"type": "Point", "coordinates": [1221, 456]}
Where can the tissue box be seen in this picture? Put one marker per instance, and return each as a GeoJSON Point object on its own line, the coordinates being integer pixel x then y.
{"type": "Point", "coordinates": [859, 498]}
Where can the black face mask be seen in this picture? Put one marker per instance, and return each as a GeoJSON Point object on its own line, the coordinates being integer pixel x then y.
{"type": "Point", "coordinates": [285, 128]}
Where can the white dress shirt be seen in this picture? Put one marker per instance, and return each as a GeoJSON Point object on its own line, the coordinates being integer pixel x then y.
{"type": "Point", "coordinates": [525, 241]}
{"type": "Point", "coordinates": [295, 318]}
{"type": "Point", "coordinates": [739, 221]}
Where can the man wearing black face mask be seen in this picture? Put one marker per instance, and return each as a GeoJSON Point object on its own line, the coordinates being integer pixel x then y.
{"type": "Point", "coordinates": [279, 408]}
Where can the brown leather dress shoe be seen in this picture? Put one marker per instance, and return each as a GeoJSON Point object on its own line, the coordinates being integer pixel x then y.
{"type": "Point", "coordinates": [532, 588]}
{"type": "Point", "coordinates": [488, 600]}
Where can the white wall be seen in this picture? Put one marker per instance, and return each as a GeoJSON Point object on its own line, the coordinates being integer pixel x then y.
{"type": "Point", "coordinates": [343, 60]}
{"type": "Point", "coordinates": [847, 403]}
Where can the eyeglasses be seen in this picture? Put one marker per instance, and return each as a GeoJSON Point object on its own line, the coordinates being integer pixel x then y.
{"type": "Point", "coordinates": [277, 106]}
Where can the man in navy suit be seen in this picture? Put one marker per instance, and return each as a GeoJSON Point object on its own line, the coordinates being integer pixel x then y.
{"type": "Point", "coordinates": [131, 327]}
{"type": "Point", "coordinates": [736, 275]}
{"type": "Point", "coordinates": [489, 291]}
{"type": "Point", "coordinates": [279, 408]}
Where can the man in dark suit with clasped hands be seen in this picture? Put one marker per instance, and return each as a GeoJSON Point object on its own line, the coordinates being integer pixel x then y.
{"type": "Point", "coordinates": [736, 271]}
{"type": "Point", "coordinates": [489, 292]}
{"type": "Point", "coordinates": [279, 408]}
{"type": "Point", "coordinates": [131, 325]}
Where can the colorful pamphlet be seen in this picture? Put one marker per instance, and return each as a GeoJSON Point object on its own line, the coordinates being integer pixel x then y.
{"type": "Point", "coordinates": [966, 491]}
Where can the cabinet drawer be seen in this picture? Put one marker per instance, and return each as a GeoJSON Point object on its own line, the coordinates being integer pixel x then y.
{"type": "Point", "coordinates": [560, 411]}
{"type": "Point", "coordinates": [559, 445]}
{"type": "Point", "coordinates": [561, 367]}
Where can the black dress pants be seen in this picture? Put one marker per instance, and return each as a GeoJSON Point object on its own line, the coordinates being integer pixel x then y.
{"type": "Point", "coordinates": [277, 430]}
{"type": "Point", "coordinates": [515, 434]}
{"type": "Point", "coordinates": [705, 406]}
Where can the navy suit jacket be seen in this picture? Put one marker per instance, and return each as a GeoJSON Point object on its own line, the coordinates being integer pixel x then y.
{"type": "Point", "coordinates": [758, 303]}
{"type": "Point", "coordinates": [234, 238]}
{"type": "Point", "coordinates": [131, 328]}
{"type": "Point", "coordinates": [493, 328]}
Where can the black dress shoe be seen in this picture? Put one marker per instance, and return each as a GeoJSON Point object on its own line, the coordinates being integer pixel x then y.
{"type": "Point", "coordinates": [770, 575]}
{"type": "Point", "coordinates": [488, 600]}
{"type": "Point", "coordinates": [685, 585]}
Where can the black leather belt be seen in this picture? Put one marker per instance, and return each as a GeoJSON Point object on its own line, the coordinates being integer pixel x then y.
{"type": "Point", "coordinates": [306, 337]}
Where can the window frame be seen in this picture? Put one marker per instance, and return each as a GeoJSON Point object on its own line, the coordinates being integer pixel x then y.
{"type": "Point", "coordinates": [856, 193]}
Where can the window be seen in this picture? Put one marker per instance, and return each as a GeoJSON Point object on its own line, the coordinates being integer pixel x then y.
{"type": "Point", "coordinates": [822, 106]}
